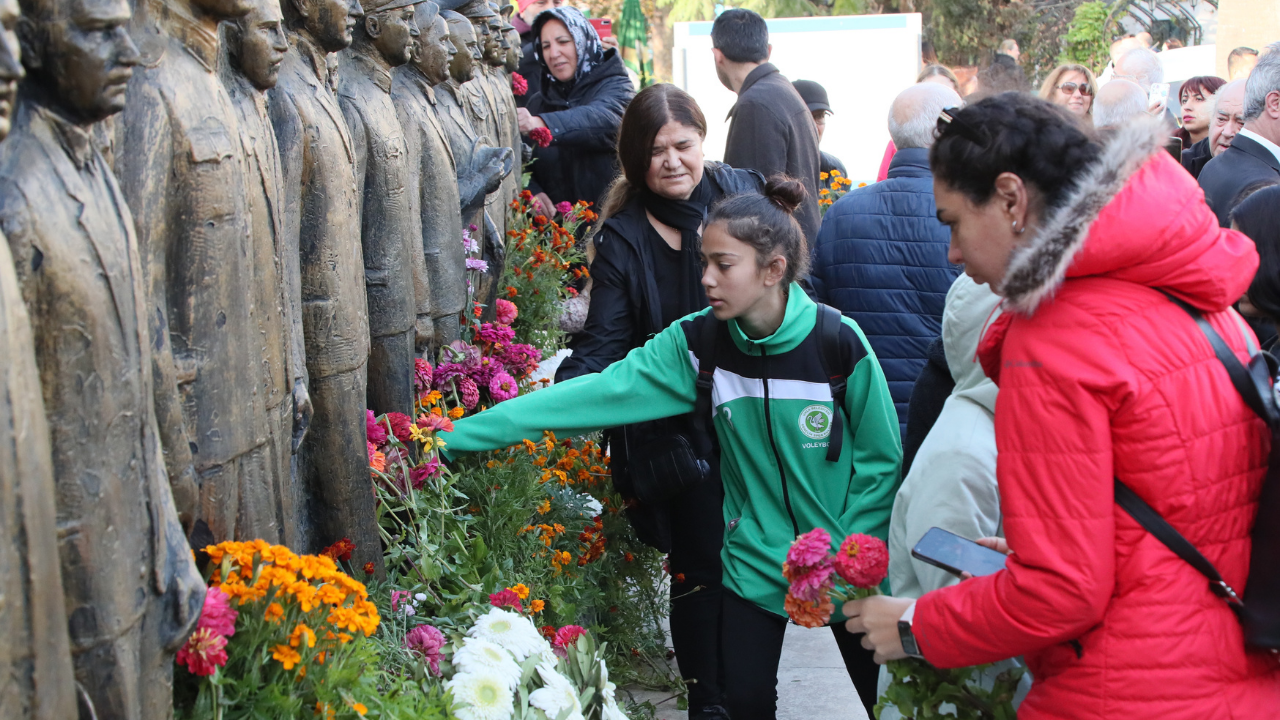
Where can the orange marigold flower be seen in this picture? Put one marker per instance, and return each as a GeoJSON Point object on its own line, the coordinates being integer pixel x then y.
{"type": "Point", "coordinates": [300, 633]}
{"type": "Point", "coordinates": [330, 595]}
{"type": "Point", "coordinates": [536, 605]}
{"type": "Point", "coordinates": [275, 613]}
{"type": "Point", "coordinates": [808, 614]}
{"type": "Point", "coordinates": [359, 708]}
{"type": "Point", "coordinates": [521, 591]}
{"type": "Point", "coordinates": [456, 413]}
{"type": "Point", "coordinates": [287, 656]}
{"type": "Point", "coordinates": [511, 292]}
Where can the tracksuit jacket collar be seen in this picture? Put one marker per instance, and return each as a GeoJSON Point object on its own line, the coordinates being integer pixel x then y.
{"type": "Point", "coordinates": [800, 316]}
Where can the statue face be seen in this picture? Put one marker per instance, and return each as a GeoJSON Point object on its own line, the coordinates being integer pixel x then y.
{"type": "Point", "coordinates": [10, 67]}
{"type": "Point", "coordinates": [495, 44]}
{"type": "Point", "coordinates": [330, 22]}
{"type": "Point", "coordinates": [85, 57]}
{"type": "Point", "coordinates": [393, 33]}
{"type": "Point", "coordinates": [225, 9]}
{"type": "Point", "coordinates": [262, 44]}
{"type": "Point", "coordinates": [515, 53]}
{"type": "Point", "coordinates": [463, 66]}
{"type": "Point", "coordinates": [436, 51]}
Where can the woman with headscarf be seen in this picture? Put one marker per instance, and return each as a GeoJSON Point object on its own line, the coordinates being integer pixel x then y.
{"type": "Point", "coordinates": [584, 91]}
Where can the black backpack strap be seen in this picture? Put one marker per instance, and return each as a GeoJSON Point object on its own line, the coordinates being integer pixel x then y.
{"type": "Point", "coordinates": [1148, 518]}
{"type": "Point", "coordinates": [708, 346]}
{"type": "Point", "coordinates": [833, 367]}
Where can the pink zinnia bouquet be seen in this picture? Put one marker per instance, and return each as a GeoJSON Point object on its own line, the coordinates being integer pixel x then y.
{"type": "Point", "coordinates": [817, 577]}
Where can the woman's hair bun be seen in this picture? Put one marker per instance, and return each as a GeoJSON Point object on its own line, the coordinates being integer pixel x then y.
{"type": "Point", "coordinates": [785, 192]}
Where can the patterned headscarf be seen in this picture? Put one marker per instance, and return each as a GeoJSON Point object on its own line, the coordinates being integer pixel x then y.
{"type": "Point", "coordinates": [585, 39]}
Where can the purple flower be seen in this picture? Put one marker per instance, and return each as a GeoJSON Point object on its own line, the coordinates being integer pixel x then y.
{"type": "Point", "coordinates": [521, 359]}
{"type": "Point", "coordinates": [465, 353]}
{"type": "Point", "coordinates": [502, 386]}
{"type": "Point", "coordinates": [426, 640]}
{"type": "Point", "coordinates": [468, 392]}
{"type": "Point", "coordinates": [477, 264]}
{"type": "Point", "coordinates": [469, 243]}
{"type": "Point", "coordinates": [483, 372]}
{"type": "Point", "coordinates": [446, 372]}
{"type": "Point", "coordinates": [424, 472]}
{"type": "Point", "coordinates": [494, 333]}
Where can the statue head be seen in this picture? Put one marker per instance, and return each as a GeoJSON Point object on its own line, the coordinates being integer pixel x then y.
{"type": "Point", "coordinates": [10, 66]}
{"type": "Point", "coordinates": [388, 30]}
{"type": "Point", "coordinates": [256, 44]}
{"type": "Point", "coordinates": [80, 55]}
{"type": "Point", "coordinates": [329, 23]}
{"type": "Point", "coordinates": [515, 53]}
{"type": "Point", "coordinates": [435, 51]}
{"type": "Point", "coordinates": [223, 9]}
{"type": "Point", "coordinates": [496, 43]}
{"type": "Point", "coordinates": [463, 36]}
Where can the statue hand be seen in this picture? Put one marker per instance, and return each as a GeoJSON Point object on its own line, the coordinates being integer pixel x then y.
{"type": "Point", "coordinates": [302, 412]}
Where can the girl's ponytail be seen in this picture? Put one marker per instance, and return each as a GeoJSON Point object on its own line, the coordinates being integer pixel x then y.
{"type": "Point", "coordinates": [767, 223]}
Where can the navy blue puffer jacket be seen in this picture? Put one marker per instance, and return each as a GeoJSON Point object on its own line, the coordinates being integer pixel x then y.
{"type": "Point", "coordinates": [881, 258]}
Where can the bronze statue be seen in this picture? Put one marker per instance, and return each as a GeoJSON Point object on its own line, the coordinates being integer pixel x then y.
{"type": "Point", "coordinates": [131, 588]}
{"type": "Point", "coordinates": [181, 168]}
{"type": "Point", "coordinates": [394, 266]}
{"type": "Point", "coordinates": [321, 217]}
{"type": "Point", "coordinates": [38, 681]}
{"type": "Point", "coordinates": [433, 185]}
{"type": "Point", "coordinates": [256, 45]}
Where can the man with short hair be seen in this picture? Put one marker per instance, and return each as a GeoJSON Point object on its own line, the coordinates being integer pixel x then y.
{"type": "Point", "coordinates": [1226, 117]}
{"type": "Point", "coordinates": [881, 255]}
{"type": "Point", "coordinates": [1141, 66]}
{"type": "Point", "coordinates": [1254, 153]}
{"type": "Point", "coordinates": [1118, 102]}
{"type": "Point", "coordinates": [1009, 48]}
{"type": "Point", "coordinates": [771, 131]}
{"type": "Point", "coordinates": [1240, 62]}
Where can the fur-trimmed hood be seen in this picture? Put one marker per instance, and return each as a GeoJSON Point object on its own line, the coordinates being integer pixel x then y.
{"type": "Point", "coordinates": [1135, 215]}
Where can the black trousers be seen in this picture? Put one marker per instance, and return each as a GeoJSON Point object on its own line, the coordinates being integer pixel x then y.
{"type": "Point", "coordinates": [697, 534]}
{"type": "Point", "coordinates": [751, 645]}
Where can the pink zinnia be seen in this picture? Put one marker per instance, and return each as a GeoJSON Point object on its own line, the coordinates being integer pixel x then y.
{"type": "Point", "coordinates": [506, 311]}
{"type": "Point", "coordinates": [420, 475]}
{"type": "Point", "coordinates": [435, 423]}
{"type": "Point", "coordinates": [519, 86]}
{"type": "Point", "coordinates": [564, 207]}
{"type": "Point", "coordinates": [375, 432]}
{"type": "Point", "coordinates": [401, 425]}
{"type": "Point", "coordinates": [521, 359]}
{"type": "Point", "coordinates": [426, 640]}
{"type": "Point", "coordinates": [565, 637]}
{"type": "Point", "coordinates": [397, 596]}
{"type": "Point", "coordinates": [811, 583]}
{"type": "Point", "coordinates": [541, 136]}
{"type": "Point", "coordinates": [503, 386]}
{"type": "Point", "coordinates": [217, 615]}
{"type": "Point", "coordinates": [506, 598]}
{"type": "Point", "coordinates": [863, 561]}
{"type": "Point", "coordinates": [810, 548]}
{"type": "Point", "coordinates": [468, 392]}
{"type": "Point", "coordinates": [421, 375]}
{"type": "Point", "coordinates": [204, 652]}
{"type": "Point", "coordinates": [493, 333]}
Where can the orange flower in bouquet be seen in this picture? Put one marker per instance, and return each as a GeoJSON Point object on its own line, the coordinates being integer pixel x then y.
{"type": "Point", "coordinates": [817, 577]}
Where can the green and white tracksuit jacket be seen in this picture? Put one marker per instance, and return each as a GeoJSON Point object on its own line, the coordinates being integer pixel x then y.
{"type": "Point", "coordinates": [772, 410]}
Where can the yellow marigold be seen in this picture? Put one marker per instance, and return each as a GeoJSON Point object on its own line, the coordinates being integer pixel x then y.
{"type": "Point", "coordinates": [559, 529]}
{"type": "Point", "coordinates": [521, 590]}
{"type": "Point", "coordinates": [432, 397]}
{"type": "Point", "coordinates": [544, 507]}
{"type": "Point", "coordinates": [331, 594]}
{"type": "Point", "coordinates": [324, 711]}
{"type": "Point", "coordinates": [536, 606]}
{"type": "Point", "coordinates": [835, 173]}
{"type": "Point", "coordinates": [456, 413]}
{"type": "Point", "coordinates": [824, 193]}
{"type": "Point", "coordinates": [305, 594]}
{"type": "Point", "coordinates": [540, 461]}
{"type": "Point", "coordinates": [274, 614]}
{"type": "Point", "coordinates": [287, 656]}
{"type": "Point", "coordinates": [359, 708]}
{"type": "Point", "coordinates": [823, 176]}
{"type": "Point", "coordinates": [300, 633]}
{"type": "Point", "coordinates": [274, 575]}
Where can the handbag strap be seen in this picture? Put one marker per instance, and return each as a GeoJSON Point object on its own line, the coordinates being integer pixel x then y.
{"type": "Point", "coordinates": [833, 368]}
{"type": "Point", "coordinates": [707, 351]}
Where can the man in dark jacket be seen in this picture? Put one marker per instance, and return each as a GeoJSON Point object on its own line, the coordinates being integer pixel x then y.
{"type": "Point", "coordinates": [1254, 155]}
{"type": "Point", "coordinates": [881, 256]}
{"type": "Point", "coordinates": [771, 131]}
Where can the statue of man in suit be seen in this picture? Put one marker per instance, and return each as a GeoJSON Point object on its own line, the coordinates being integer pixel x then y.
{"type": "Point", "coordinates": [131, 588]}
{"type": "Point", "coordinates": [320, 208]}
{"type": "Point", "coordinates": [35, 657]}
{"type": "Point", "coordinates": [256, 45]}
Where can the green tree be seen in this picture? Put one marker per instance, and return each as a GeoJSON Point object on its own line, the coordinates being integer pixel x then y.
{"type": "Point", "coordinates": [1088, 39]}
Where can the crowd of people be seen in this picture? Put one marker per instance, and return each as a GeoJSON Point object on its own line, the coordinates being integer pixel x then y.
{"type": "Point", "coordinates": [1011, 344]}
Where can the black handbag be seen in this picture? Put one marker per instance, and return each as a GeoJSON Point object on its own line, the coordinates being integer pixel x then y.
{"type": "Point", "coordinates": [1259, 608]}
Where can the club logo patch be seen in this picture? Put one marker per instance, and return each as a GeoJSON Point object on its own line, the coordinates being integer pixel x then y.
{"type": "Point", "coordinates": [815, 421]}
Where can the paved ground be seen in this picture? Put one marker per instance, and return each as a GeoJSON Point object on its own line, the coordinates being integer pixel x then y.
{"type": "Point", "coordinates": [812, 682]}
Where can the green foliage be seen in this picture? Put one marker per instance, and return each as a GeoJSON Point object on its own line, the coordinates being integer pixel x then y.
{"type": "Point", "coordinates": [919, 691]}
{"type": "Point", "coordinates": [542, 257]}
{"type": "Point", "coordinates": [966, 32]}
{"type": "Point", "coordinates": [1088, 39]}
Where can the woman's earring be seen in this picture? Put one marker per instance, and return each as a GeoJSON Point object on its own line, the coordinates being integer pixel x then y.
{"type": "Point", "coordinates": [1016, 230]}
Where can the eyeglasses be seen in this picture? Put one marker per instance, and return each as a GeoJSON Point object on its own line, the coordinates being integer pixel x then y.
{"type": "Point", "coordinates": [1069, 88]}
{"type": "Point", "coordinates": [949, 121]}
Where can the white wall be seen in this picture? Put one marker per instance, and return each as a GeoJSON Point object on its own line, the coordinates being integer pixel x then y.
{"type": "Point", "coordinates": [863, 61]}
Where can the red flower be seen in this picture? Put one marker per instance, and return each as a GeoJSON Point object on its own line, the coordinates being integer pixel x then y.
{"type": "Point", "coordinates": [565, 637]}
{"type": "Point", "coordinates": [369, 568]}
{"type": "Point", "coordinates": [401, 425]}
{"type": "Point", "coordinates": [541, 136]}
{"type": "Point", "coordinates": [217, 614]}
{"type": "Point", "coordinates": [421, 375]}
{"type": "Point", "coordinates": [519, 86]}
{"type": "Point", "coordinates": [375, 431]}
{"type": "Point", "coordinates": [340, 550]}
{"type": "Point", "coordinates": [548, 632]}
{"type": "Point", "coordinates": [506, 598]}
{"type": "Point", "coordinates": [863, 561]}
{"type": "Point", "coordinates": [204, 652]}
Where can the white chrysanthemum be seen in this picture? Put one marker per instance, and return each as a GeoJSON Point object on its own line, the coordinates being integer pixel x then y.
{"type": "Point", "coordinates": [483, 696]}
{"type": "Point", "coordinates": [556, 695]}
{"type": "Point", "coordinates": [510, 630]}
{"type": "Point", "coordinates": [594, 507]}
{"type": "Point", "coordinates": [611, 711]}
{"type": "Point", "coordinates": [477, 656]}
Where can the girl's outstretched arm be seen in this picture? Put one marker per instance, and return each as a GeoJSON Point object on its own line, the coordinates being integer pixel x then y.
{"type": "Point", "coordinates": [653, 381]}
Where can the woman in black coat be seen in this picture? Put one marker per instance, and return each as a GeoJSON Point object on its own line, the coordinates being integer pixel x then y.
{"type": "Point", "coordinates": [646, 274]}
{"type": "Point", "coordinates": [584, 91]}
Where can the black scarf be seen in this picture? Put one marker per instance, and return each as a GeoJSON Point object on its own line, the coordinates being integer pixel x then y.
{"type": "Point", "coordinates": [687, 216]}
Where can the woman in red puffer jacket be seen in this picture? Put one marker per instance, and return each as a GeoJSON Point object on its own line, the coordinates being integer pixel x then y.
{"type": "Point", "coordinates": [1100, 376]}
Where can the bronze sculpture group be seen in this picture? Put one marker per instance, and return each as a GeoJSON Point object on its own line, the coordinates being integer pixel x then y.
{"type": "Point", "coordinates": [222, 248]}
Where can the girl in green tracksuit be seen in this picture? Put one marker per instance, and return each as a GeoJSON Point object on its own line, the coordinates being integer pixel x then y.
{"type": "Point", "coordinates": [772, 413]}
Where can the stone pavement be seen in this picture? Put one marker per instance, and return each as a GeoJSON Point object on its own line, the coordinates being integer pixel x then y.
{"type": "Point", "coordinates": [812, 682]}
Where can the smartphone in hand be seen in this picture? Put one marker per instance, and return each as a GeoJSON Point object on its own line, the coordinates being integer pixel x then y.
{"type": "Point", "coordinates": [1158, 97]}
{"type": "Point", "coordinates": [956, 554]}
{"type": "Point", "coordinates": [604, 28]}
